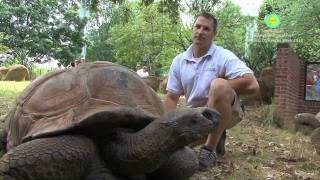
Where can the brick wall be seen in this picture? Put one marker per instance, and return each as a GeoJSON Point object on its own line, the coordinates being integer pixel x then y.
{"type": "Point", "coordinates": [289, 87]}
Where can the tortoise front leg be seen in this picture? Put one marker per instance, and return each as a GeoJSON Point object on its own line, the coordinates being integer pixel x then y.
{"type": "Point", "coordinates": [181, 166]}
{"type": "Point", "coordinates": [66, 157]}
{"type": "Point", "coordinates": [3, 142]}
{"type": "Point", "coordinates": [98, 171]}
{"type": "Point", "coordinates": [3, 136]}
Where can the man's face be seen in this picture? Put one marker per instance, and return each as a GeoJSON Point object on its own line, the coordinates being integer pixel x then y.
{"type": "Point", "coordinates": [202, 32]}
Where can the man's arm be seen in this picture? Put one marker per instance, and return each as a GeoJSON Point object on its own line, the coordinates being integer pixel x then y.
{"type": "Point", "coordinates": [245, 85]}
{"type": "Point", "coordinates": [170, 101]}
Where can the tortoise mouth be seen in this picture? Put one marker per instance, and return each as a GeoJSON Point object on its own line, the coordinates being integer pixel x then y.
{"type": "Point", "coordinates": [211, 115]}
{"type": "Point", "coordinates": [200, 132]}
{"type": "Point", "coordinates": [209, 123]}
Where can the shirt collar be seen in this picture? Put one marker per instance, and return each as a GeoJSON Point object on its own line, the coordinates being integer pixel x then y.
{"type": "Point", "coordinates": [189, 55]}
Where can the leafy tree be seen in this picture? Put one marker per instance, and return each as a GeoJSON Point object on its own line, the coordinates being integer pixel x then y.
{"type": "Point", "coordinates": [197, 6]}
{"type": "Point", "coordinates": [144, 38]}
{"type": "Point", "coordinates": [38, 27]}
{"type": "Point", "coordinates": [301, 19]}
{"type": "Point", "coordinates": [109, 14]}
{"type": "Point", "coordinates": [172, 8]}
{"type": "Point", "coordinates": [137, 32]}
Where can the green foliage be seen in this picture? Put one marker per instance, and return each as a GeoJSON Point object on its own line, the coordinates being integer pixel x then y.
{"type": "Point", "coordinates": [11, 62]}
{"type": "Point", "coordinates": [197, 6]}
{"type": "Point", "coordinates": [262, 54]}
{"type": "Point", "coordinates": [147, 34]}
{"type": "Point", "coordinates": [263, 47]}
{"type": "Point", "coordinates": [172, 9]}
{"type": "Point", "coordinates": [2, 48]}
{"type": "Point", "coordinates": [301, 19]}
{"type": "Point", "coordinates": [99, 48]}
{"type": "Point", "coordinates": [35, 71]}
{"type": "Point", "coordinates": [33, 27]}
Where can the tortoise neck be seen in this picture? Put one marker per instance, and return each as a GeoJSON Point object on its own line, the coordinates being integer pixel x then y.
{"type": "Point", "coordinates": [145, 150]}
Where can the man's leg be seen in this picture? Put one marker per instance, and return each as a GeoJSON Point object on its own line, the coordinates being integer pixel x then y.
{"type": "Point", "coordinates": [221, 97]}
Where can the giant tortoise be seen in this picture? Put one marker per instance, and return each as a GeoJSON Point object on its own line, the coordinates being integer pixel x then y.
{"type": "Point", "coordinates": [306, 123]}
{"type": "Point", "coordinates": [99, 121]}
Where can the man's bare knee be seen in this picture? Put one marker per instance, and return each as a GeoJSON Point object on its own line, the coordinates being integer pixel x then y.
{"type": "Point", "coordinates": [221, 91]}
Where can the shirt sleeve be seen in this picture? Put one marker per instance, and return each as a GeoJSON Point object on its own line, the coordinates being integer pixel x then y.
{"type": "Point", "coordinates": [236, 68]}
{"type": "Point", "coordinates": [174, 84]}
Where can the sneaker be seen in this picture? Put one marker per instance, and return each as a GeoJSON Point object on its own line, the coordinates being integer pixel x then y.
{"type": "Point", "coordinates": [207, 158]}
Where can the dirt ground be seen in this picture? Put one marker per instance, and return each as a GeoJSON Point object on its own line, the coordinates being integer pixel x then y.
{"type": "Point", "coordinates": [257, 149]}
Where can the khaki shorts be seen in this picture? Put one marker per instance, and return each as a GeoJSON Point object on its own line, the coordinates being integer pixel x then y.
{"type": "Point", "coordinates": [237, 111]}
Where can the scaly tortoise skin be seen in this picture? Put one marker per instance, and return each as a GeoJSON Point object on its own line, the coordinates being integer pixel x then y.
{"type": "Point", "coordinates": [99, 120]}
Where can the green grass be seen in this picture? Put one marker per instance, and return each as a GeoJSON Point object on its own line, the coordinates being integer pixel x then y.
{"type": "Point", "coordinates": [11, 89]}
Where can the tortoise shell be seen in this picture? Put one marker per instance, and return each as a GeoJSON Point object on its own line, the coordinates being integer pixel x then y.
{"type": "Point", "coordinates": [66, 99]}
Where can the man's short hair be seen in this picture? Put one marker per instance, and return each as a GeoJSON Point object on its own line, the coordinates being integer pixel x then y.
{"type": "Point", "coordinates": [209, 16]}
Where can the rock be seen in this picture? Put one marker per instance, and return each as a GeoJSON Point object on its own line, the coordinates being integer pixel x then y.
{"type": "Point", "coordinates": [307, 119]}
{"type": "Point", "coordinates": [3, 72]}
{"type": "Point", "coordinates": [17, 72]}
{"type": "Point", "coordinates": [318, 116]}
{"type": "Point", "coordinates": [305, 123]}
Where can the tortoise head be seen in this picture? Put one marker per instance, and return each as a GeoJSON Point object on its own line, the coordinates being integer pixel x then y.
{"type": "Point", "coordinates": [145, 150]}
{"type": "Point", "coordinates": [191, 123]}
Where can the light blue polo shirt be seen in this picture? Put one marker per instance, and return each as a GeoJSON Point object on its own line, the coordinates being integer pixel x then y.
{"type": "Point", "coordinates": [193, 77]}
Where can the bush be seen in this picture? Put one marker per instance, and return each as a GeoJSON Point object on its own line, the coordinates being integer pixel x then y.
{"type": "Point", "coordinates": [267, 116]}
{"type": "Point", "coordinates": [35, 71]}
